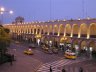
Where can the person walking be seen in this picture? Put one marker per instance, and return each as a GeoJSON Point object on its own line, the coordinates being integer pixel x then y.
{"type": "Point", "coordinates": [10, 59]}
{"type": "Point", "coordinates": [81, 69]}
{"type": "Point", "coordinates": [50, 69]}
{"type": "Point", "coordinates": [13, 58]}
{"type": "Point", "coordinates": [63, 70]}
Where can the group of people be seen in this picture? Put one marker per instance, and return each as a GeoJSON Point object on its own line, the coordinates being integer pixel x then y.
{"type": "Point", "coordinates": [63, 70]}
{"type": "Point", "coordinates": [10, 58]}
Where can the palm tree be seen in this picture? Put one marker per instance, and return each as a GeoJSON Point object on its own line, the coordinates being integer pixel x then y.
{"type": "Point", "coordinates": [19, 19]}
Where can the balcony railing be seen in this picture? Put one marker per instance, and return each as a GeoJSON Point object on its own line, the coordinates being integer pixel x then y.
{"type": "Point", "coordinates": [83, 35]}
{"type": "Point", "coordinates": [92, 36]}
{"type": "Point", "coordinates": [55, 33]}
{"type": "Point", "coordinates": [67, 34]}
{"type": "Point", "coordinates": [76, 35]}
{"type": "Point", "coordinates": [61, 34]}
{"type": "Point", "coordinates": [50, 33]}
{"type": "Point", "coordinates": [45, 33]}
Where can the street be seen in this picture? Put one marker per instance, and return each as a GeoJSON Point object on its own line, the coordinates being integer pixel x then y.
{"type": "Point", "coordinates": [40, 61]}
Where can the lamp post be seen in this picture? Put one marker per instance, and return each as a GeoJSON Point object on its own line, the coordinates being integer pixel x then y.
{"type": "Point", "coordinates": [2, 11]}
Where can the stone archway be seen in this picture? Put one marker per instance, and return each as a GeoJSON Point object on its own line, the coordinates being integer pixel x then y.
{"type": "Point", "coordinates": [61, 27]}
{"type": "Point", "coordinates": [75, 42]}
{"type": "Point", "coordinates": [38, 29]}
{"type": "Point", "coordinates": [92, 45]}
{"type": "Point", "coordinates": [68, 30]}
{"type": "Point", "coordinates": [92, 30]}
{"type": "Point", "coordinates": [42, 29]}
{"type": "Point", "coordinates": [87, 47]}
{"type": "Point", "coordinates": [65, 39]}
{"type": "Point", "coordinates": [83, 30]}
{"type": "Point", "coordinates": [45, 29]}
{"type": "Point", "coordinates": [55, 29]}
{"type": "Point", "coordinates": [75, 46]}
{"type": "Point", "coordinates": [92, 49]}
{"type": "Point", "coordinates": [34, 29]}
{"type": "Point", "coordinates": [75, 30]}
{"type": "Point", "coordinates": [50, 30]}
{"type": "Point", "coordinates": [83, 45]}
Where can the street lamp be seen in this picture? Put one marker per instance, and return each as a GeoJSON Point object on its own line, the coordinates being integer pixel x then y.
{"type": "Point", "coordinates": [11, 12]}
{"type": "Point", "coordinates": [2, 11]}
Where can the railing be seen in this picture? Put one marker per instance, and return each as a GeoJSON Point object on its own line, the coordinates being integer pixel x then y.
{"type": "Point", "coordinates": [41, 32]}
{"type": "Point", "coordinates": [50, 33]}
{"type": "Point", "coordinates": [92, 36]}
{"type": "Point", "coordinates": [61, 34]}
{"type": "Point", "coordinates": [75, 35]}
{"type": "Point", "coordinates": [67, 34]}
{"type": "Point", "coordinates": [84, 35]}
{"type": "Point", "coordinates": [55, 33]}
{"type": "Point", "coordinates": [46, 33]}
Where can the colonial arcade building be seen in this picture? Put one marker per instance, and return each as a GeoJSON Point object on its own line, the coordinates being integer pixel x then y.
{"type": "Point", "coordinates": [79, 34]}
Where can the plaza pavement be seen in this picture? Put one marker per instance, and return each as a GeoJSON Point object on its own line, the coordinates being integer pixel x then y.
{"type": "Point", "coordinates": [40, 62]}
{"type": "Point", "coordinates": [69, 65]}
{"type": "Point", "coordinates": [27, 63]}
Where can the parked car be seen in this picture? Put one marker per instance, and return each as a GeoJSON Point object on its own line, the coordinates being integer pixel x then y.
{"type": "Point", "coordinates": [50, 51]}
{"type": "Point", "coordinates": [17, 42]}
{"type": "Point", "coordinates": [28, 52]}
{"type": "Point", "coordinates": [43, 46]}
{"type": "Point", "coordinates": [32, 46]}
{"type": "Point", "coordinates": [45, 49]}
{"type": "Point", "coordinates": [55, 50]}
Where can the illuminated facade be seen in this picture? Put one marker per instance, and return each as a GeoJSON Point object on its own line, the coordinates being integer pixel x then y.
{"type": "Point", "coordinates": [77, 32]}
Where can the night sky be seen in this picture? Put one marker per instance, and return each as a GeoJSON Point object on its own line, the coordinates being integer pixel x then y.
{"type": "Point", "coordinates": [43, 10]}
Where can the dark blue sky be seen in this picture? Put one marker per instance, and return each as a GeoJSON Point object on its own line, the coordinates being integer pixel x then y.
{"type": "Point", "coordinates": [43, 10]}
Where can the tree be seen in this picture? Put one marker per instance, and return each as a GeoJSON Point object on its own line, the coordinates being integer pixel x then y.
{"type": "Point", "coordinates": [4, 38]}
{"type": "Point", "coordinates": [19, 19]}
{"type": "Point", "coordinates": [4, 41]}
